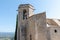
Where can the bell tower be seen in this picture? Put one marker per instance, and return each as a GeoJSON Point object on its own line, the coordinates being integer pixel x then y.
{"type": "Point", "coordinates": [24, 12]}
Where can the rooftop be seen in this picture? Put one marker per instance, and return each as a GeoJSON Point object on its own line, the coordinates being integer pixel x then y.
{"type": "Point", "coordinates": [25, 5]}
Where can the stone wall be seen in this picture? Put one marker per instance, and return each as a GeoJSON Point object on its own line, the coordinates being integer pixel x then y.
{"type": "Point", "coordinates": [54, 33]}
{"type": "Point", "coordinates": [37, 27]}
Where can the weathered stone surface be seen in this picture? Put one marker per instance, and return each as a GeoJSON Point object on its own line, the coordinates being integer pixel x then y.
{"type": "Point", "coordinates": [37, 27]}
{"type": "Point", "coordinates": [34, 27]}
{"type": "Point", "coordinates": [54, 33]}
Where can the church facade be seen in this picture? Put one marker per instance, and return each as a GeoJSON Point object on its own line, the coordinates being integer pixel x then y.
{"type": "Point", "coordinates": [36, 26]}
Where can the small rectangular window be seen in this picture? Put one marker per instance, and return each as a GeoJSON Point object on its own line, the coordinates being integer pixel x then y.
{"type": "Point", "coordinates": [30, 37]}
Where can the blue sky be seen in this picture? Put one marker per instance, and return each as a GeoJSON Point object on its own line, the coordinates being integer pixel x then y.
{"type": "Point", "coordinates": [8, 11]}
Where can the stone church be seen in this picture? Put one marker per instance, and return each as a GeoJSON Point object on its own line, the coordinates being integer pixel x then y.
{"type": "Point", "coordinates": [36, 26]}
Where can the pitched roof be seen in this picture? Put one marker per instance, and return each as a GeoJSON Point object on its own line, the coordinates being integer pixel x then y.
{"type": "Point", "coordinates": [53, 22]}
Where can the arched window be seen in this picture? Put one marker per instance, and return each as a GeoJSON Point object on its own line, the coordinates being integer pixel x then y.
{"type": "Point", "coordinates": [24, 14]}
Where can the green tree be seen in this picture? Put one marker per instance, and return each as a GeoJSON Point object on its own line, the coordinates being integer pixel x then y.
{"type": "Point", "coordinates": [15, 38]}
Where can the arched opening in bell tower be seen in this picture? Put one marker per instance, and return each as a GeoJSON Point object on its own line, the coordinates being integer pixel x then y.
{"type": "Point", "coordinates": [24, 14]}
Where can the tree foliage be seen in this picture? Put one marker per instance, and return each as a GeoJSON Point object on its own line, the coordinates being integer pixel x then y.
{"type": "Point", "coordinates": [15, 38]}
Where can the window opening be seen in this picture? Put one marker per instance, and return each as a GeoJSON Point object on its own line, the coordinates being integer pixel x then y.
{"type": "Point", "coordinates": [30, 37]}
{"type": "Point", "coordinates": [24, 14]}
{"type": "Point", "coordinates": [55, 31]}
